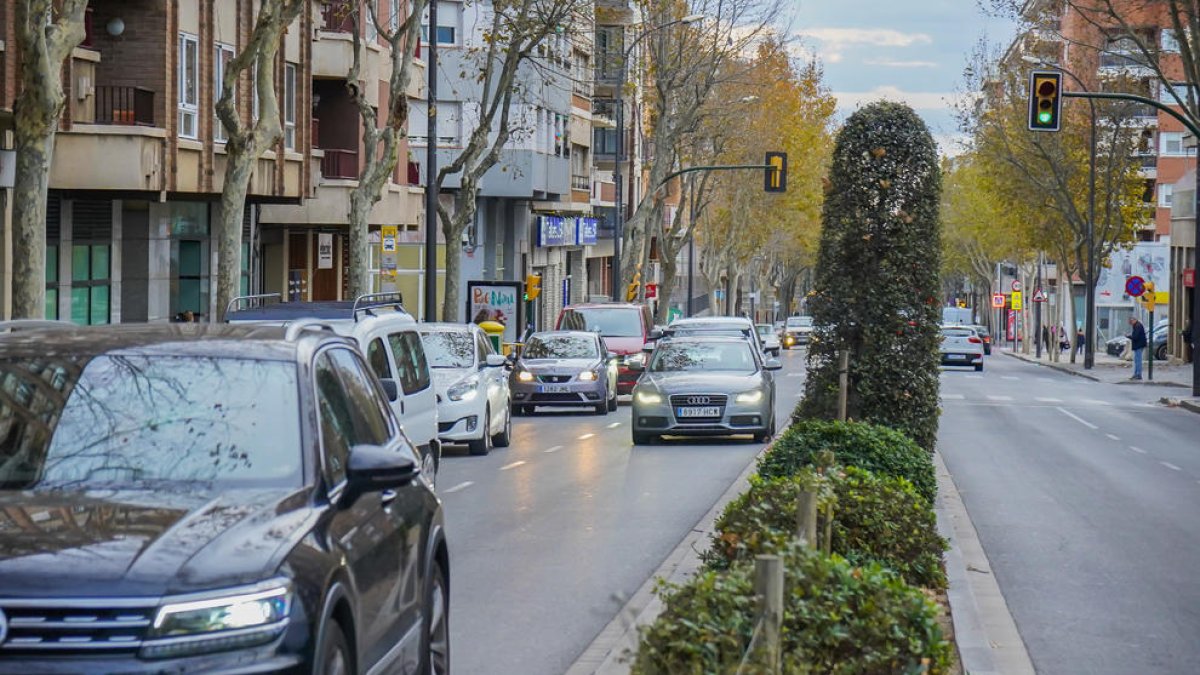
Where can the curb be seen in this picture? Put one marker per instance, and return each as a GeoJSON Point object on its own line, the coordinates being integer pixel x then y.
{"type": "Point", "coordinates": [984, 630]}
{"type": "Point", "coordinates": [1190, 405]}
{"type": "Point", "coordinates": [604, 656]}
{"type": "Point", "coordinates": [1093, 378]}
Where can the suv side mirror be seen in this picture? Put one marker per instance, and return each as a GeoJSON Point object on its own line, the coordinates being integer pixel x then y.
{"type": "Point", "coordinates": [773, 364]}
{"type": "Point", "coordinates": [654, 334]}
{"type": "Point", "coordinates": [374, 468]}
{"type": "Point", "coordinates": [390, 388]}
{"type": "Point", "coordinates": [495, 361]}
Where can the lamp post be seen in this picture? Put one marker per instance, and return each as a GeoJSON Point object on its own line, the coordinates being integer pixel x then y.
{"type": "Point", "coordinates": [431, 188]}
{"type": "Point", "coordinates": [619, 219]}
{"type": "Point", "coordinates": [1089, 311]}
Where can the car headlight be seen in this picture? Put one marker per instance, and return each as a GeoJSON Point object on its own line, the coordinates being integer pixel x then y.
{"type": "Point", "coordinates": [640, 357]}
{"type": "Point", "coordinates": [218, 624]}
{"type": "Point", "coordinates": [525, 376]}
{"type": "Point", "coordinates": [648, 397]}
{"type": "Point", "coordinates": [587, 376]}
{"type": "Point", "coordinates": [749, 396]}
{"type": "Point", "coordinates": [464, 391]}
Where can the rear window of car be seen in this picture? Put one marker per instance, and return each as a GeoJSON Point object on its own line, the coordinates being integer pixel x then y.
{"type": "Point", "coordinates": [607, 321]}
{"type": "Point", "coordinates": [957, 332]}
{"type": "Point", "coordinates": [800, 322]}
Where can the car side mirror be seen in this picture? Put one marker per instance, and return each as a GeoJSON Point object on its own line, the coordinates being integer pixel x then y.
{"type": "Point", "coordinates": [648, 347]}
{"type": "Point", "coordinates": [610, 356]}
{"type": "Point", "coordinates": [495, 361]}
{"type": "Point", "coordinates": [374, 468]}
{"type": "Point", "coordinates": [636, 366]}
{"type": "Point", "coordinates": [773, 364]}
{"type": "Point", "coordinates": [390, 388]}
{"type": "Point", "coordinates": [655, 334]}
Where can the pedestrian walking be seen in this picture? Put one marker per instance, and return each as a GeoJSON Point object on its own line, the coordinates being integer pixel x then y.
{"type": "Point", "coordinates": [1137, 342]}
{"type": "Point", "coordinates": [1080, 340]}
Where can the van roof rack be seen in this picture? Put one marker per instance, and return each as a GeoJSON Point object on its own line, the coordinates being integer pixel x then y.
{"type": "Point", "coordinates": [365, 303]}
{"type": "Point", "coordinates": [295, 328]}
{"type": "Point", "coordinates": [250, 301]}
{"type": "Point", "coordinates": [14, 325]}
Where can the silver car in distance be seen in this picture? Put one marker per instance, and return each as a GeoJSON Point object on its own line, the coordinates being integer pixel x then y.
{"type": "Point", "coordinates": [705, 386]}
{"type": "Point", "coordinates": [564, 368]}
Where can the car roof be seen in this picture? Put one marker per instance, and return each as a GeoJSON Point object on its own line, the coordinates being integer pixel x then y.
{"type": "Point", "coordinates": [331, 309]}
{"type": "Point", "coordinates": [698, 320]}
{"type": "Point", "coordinates": [701, 337]}
{"type": "Point", "coordinates": [181, 339]}
{"type": "Point", "coordinates": [447, 327]}
{"type": "Point", "coordinates": [572, 333]}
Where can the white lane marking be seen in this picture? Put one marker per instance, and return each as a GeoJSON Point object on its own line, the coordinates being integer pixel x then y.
{"type": "Point", "coordinates": [586, 436]}
{"type": "Point", "coordinates": [1009, 377]}
{"type": "Point", "coordinates": [1171, 466]}
{"type": "Point", "coordinates": [456, 488]}
{"type": "Point", "coordinates": [795, 374]}
{"type": "Point", "coordinates": [1095, 401]}
{"type": "Point", "coordinates": [952, 397]}
{"type": "Point", "coordinates": [1113, 437]}
{"type": "Point", "coordinates": [974, 377]}
{"type": "Point", "coordinates": [554, 449]}
{"type": "Point", "coordinates": [1077, 418]}
{"type": "Point", "coordinates": [1137, 450]}
{"type": "Point", "coordinates": [1049, 400]}
{"type": "Point", "coordinates": [614, 425]}
{"type": "Point", "coordinates": [514, 465]}
{"type": "Point", "coordinates": [999, 398]}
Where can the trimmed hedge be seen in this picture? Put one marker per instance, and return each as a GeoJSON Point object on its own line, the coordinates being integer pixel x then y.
{"type": "Point", "coordinates": [838, 619]}
{"type": "Point", "coordinates": [872, 447]}
{"type": "Point", "coordinates": [876, 520]}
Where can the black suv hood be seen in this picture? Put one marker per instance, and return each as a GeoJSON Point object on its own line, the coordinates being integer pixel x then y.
{"type": "Point", "coordinates": [135, 542]}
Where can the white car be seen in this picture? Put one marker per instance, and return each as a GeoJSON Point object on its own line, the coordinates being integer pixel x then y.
{"type": "Point", "coordinates": [961, 346]}
{"type": "Point", "coordinates": [387, 335]}
{"type": "Point", "coordinates": [474, 402]}
{"type": "Point", "coordinates": [770, 340]}
{"type": "Point", "coordinates": [797, 330]}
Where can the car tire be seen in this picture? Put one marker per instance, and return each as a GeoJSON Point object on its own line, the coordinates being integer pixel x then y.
{"type": "Point", "coordinates": [333, 654]}
{"type": "Point", "coordinates": [482, 445]}
{"type": "Point", "coordinates": [435, 636]}
{"type": "Point", "coordinates": [640, 438]}
{"type": "Point", "coordinates": [525, 409]}
{"type": "Point", "coordinates": [612, 402]}
{"type": "Point", "coordinates": [504, 438]}
{"type": "Point", "coordinates": [978, 367]}
{"type": "Point", "coordinates": [1161, 353]}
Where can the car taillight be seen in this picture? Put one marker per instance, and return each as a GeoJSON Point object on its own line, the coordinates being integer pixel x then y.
{"type": "Point", "coordinates": [974, 340]}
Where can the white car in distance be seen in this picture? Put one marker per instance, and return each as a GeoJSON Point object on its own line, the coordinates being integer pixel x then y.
{"type": "Point", "coordinates": [474, 401]}
{"type": "Point", "coordinates": [961, 346]}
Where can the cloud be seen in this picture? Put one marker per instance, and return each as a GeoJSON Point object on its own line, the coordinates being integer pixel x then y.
{"type": "Point", "coordinates": [918, 100]}
{"type": "Point", "coordinates": [874, 37]}
{"type": "Point", "coordinates": [893, 63]}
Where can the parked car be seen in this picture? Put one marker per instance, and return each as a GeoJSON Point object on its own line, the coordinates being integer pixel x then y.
{"type": "Point", "coordinates": [564, 368]}
{"type": "Point", "coordinates": [472, 386]}
{"type": "Point", "coordinates": [705, 386]}
{"type": "Point", "coordinates": [387, 334]}
{"type": "Point", "coordinates": [625, 327]}
{"type": "Point", "coordinates": [986, 336]}
{"type": "Point", "coordinates": [211, 498]}
{"type": "Point", "coordinates": [770, 341]}
{"type": "Point", "coordinates": [1118, 345]}
{"type": "Point", "coordinates": [961, 346]}
{"type": "Point", "coordinates": [797, 331]}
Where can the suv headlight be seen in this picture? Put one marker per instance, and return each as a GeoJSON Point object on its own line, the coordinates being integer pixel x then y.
{"type": "Point", "coordinates": [648, 397]}
{"type": "Point", "coordinates": [587, 376]}
{"type": "Point", "coordinates": [217, 624]}
{"type": "Point", "coordinates": [525, 376]}
{"type": "Point", "coordinates": [465, 390]}
{"type": "Point", "coordinates": [753, 396]}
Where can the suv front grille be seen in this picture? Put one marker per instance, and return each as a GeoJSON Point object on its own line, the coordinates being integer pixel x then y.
{"type": "Point", "coordinates": [554, 379]}
{"type": "Point", "coordinates": [76, 626]}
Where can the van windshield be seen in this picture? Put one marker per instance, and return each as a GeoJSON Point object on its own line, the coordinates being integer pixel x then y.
{"type": "Point", "coordinates": [608, 321]}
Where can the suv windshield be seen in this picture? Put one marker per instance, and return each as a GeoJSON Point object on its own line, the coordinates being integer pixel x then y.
{"type": "Point", "coordinates": [138, 420]}
{"type": "Point", "coordinates": [706, 356]}
{"type": "Point", "coordinates": [608, 321]}
{"type": "Point", "coordinates": [560, 347]}
{"type": "Point", "coordinates": [449, 349]}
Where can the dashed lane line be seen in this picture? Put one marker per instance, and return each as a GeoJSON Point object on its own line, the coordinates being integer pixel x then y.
{"type": "Point", "coordinates": [1171, 466]}
{"type": "Point", "coordinates": [1009, 377]}
{"type": "Point", "coordinates": [514, 465]}
{"type": "Point", "coordinates": [1077, 418]}
{"type": "Point", "coordinates": [459, 487]}
{"type": "Point", "coordinates": [952, 397]}
{"type": "Point", "coordinates": [586, 436]}
{"type": "Point", "coordinates": [1000, 398]}
{"type": "Point", "coordinates": [1113, 437]}
{"type": "Point", "coordinates": [1048, 400]}
{"type": "Point", "coordinates": [1137, 450]}
{"type": "Point", "coordinates": [1093, 401]}
{"type": "Point", "coordinates": [614, 425]}
{"type": "Point", "coordinates": [553, 449]}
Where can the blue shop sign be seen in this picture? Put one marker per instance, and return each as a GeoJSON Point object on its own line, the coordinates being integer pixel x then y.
{"type": "Point", "coordinates": [585, 231]}
{"type": "Point", "coordinates": [552, 231]}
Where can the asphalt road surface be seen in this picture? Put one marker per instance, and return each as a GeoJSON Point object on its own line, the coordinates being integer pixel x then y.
{"type": "Point", "coordinates": [549, 537]}
{"type": "Point", "coordinates": [1086, 498]}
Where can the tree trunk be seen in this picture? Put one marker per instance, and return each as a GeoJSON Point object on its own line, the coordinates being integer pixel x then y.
{"type": "Point", "coordinates": [238, 168]}
{"type": "Point", "coordinates": [362, 199]}
{"type": "Point", "coordinates": [665, 288]}
{"type": "Point", "coordinates": [453, 228]}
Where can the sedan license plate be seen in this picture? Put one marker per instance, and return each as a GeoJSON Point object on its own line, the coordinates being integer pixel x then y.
{"type": "Point", "coordinates": [956, 356]}
{"type": "Point", "coordinates": [553, 389]}
{"type": "Point", "coordinates": [709, 411]}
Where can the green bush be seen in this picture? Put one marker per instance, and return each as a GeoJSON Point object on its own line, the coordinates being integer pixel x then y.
{"type": "Point", "coordinates": [877, 449]}
{"type": "Point", "coordinates": [838, 619]}
{"type": "Point", "coordinates": [876, 519]}
{"type": "Point", "coordinates": [877, 289]}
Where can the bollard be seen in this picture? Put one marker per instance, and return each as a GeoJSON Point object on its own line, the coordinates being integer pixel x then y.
{"type": "Point", "coordinates": [843, 383]}
{"type": "Point", "coordinates": [806, 518]}
{"type": "Point", "coordinates": [768, 587]}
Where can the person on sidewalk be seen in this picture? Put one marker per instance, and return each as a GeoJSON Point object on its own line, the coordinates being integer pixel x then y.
{"type": "Point", "coordinates": [1137, 343]}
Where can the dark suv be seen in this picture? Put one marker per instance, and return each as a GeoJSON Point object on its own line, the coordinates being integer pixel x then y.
{"type": "Point", "coordinates": [193, 498]}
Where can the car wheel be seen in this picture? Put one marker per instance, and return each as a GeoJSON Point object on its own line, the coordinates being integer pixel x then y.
{"type": "Point", "coordinates": [526, 409]}
{"type": "Point", "coordinates": [504, 438]}
{"type": "Point", "coordinates": [435, 652]}
{"type": "Point", "coordinates": [612, 403]}
{"type": "Point", "coordinates": [978, 367]}
{"type": "Point", "coordinates": [429, 468]}
{"type": "Point", "coordinates": [482, 445]}
{"type": "Point", "coordinates": [333, 654]}
{"type": "Point", "coordinates": [1161, 353]}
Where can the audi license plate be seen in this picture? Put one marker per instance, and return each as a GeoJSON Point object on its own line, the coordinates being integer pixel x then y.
{"type": "Point", "coordinates": [553, 389]}
{"type": "Point", "coordinates": [707, 411]}
{"type": "Point", "coordinates": [956, 356]}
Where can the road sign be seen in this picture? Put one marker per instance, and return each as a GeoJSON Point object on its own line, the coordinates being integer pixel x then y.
{"type": "Point", "coordinates": [1016, 300]}
{"type": "Point", "coordinates": [997, 301]}
{"type": "Point", "coordinates": [1039, 296]}
{"type": "Point", "coordinates": [389, 233]}
{"type": "Point", "coordinates": [651, 291]}
{"type": "Point", "coordinates": [1016, 285]}
{"type": "Point", "coordinates": [1135, 286]}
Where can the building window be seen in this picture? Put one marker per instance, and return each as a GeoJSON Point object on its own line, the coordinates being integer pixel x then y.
{"type": "Point", "coordinates": [245, 283]}
{"type": "Point", "coordinates": [91, 284]}
{"type": "Point", "coordinates": [1164, 195]}
{"type": "Point", "coordinates": [604, 141]}
{"type": "Point", "coordinates": [394, 15]}
{"type": "Point", "coordinates": [449, 123]}
{"type": "Point", "coordinates": [51, 281]}
{"type": "Point", "coordinates": [1170, 144]}
{"type": "Point", "coordinates": [189, 84]}
{"type": "Point", "coordinates": [449, 18]}
{"type": "Point", "coordinates": [289, 106]}
{"type": "Point", "coordinates": [221, 58]}
{"type": "Point", "coordinates": [1179, 89]}
{"type": "Point", "coordinates": [191, 290]}
{"type": "Point", "coordinates": [1169, 41]}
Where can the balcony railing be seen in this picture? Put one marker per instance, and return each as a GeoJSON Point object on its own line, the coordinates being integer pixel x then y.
{"type": "Point", "coordinates": [124, 105]}
{"type": "Point", "coordinates": [1147, 161]}
{"type": "Point", "coordinates": [340, 164]}
{"type": "Point", "coordinates": [604, 107]}
{"type": "Point", "coordinates": [581, 182]}
{"type": "Point", "coordinates": [336, 17]}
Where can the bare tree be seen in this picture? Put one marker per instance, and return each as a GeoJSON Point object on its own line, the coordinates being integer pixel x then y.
{"type": "Point", "coordinates": [381, 143]}
{"type": "Point", "coordinates": [46, 33]}
{"type": "Point", "coordinates": [247, 142]}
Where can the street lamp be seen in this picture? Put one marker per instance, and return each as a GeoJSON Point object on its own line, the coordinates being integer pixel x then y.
{"type": "Point", "coordinates": [619, 219]}
{"type": "Point", "coordinates": [1089, 330]}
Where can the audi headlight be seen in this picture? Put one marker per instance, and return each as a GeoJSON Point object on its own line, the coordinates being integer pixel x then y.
{"type": "Point", "coordinates": [525, 376]}
{"type": "Point", "coordinates": [648, 397]}
{"type": "Point", "coordinates": [217, 624]}
{"type": "Point", "coordinates": [753, 396]}
{"type": "Point", "coordinates": [587, 376]}
{"type": "Point", "coordinates": [464, 391]}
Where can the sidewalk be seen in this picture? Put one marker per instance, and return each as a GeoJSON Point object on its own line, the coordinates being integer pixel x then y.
{"type": "Point", "coordinates": [1113, 370]}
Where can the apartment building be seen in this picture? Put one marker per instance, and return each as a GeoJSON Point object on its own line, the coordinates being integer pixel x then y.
{"type": "Point", "coordinates": [139, 159]}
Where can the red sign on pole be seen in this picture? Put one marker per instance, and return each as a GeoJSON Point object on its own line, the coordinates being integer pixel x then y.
{"type": "Point", "coordinates": [1189, 277]}
{"type": "Point", "coordinates": [651, 291]}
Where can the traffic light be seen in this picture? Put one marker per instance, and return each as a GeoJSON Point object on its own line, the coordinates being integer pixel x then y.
{"type": "Point", "coordinates": [632, 291]}
{"type": "Point", "coordinates": [533, 286]}
{"type": "Point", "coordinates": [775, 176]}
{"type": "Point", "coordinates": [1147, 297]}
{"type": "Point", "coordinates": [1045, 100]}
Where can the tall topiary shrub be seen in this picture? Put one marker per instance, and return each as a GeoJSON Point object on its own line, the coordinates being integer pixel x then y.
{"type": "Point", "coordinates": [876, 287]}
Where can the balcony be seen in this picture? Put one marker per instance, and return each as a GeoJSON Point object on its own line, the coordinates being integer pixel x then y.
{"type": "Point", "coordinates": [414, 173]}
{"type": "Point", "coordinates": [581, 182]}
{"type": "Point", "coordinates": [130, 106]}
{"type": "Point", "coordinates": [339, 164]}
{"type": "Point", "coordinates": [336, 17]}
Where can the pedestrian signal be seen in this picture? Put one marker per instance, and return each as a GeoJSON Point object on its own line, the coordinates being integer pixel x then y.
{"type": "Point", "coordinates": [775, 178]}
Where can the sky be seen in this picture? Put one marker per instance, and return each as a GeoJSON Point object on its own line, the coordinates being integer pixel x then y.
{"type": "Point", "coordinates": [904, 50]}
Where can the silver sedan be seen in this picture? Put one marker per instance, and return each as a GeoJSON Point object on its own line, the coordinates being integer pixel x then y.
{"type": "Point", "coordinates": [564, 368]}
{"type": "Point", "coordinates": [704, 386]}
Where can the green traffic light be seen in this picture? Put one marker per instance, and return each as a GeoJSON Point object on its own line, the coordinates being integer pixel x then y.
{"type": "Point", "coordinates": [1044, 117]}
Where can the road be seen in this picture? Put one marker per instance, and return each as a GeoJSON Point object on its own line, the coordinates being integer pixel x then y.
{"type": "Point", "coordinates": [550, 536]}
{"type": "Point", "coordinates": [1086, 498]}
